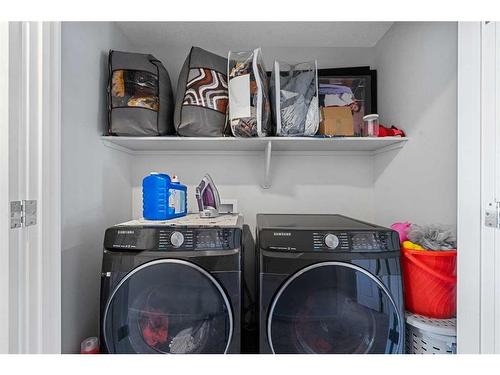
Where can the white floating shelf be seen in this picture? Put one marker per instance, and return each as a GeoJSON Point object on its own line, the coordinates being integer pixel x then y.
{"type": "Point", "coordinates": [139, 145]}
{"type": "Point", "coordinates": [268, 145]}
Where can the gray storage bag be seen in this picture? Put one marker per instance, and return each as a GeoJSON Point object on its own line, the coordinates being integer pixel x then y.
{"type": "Point", "coordinates": [140, 99]}
{"type": "Point", "coordinates": [202, 95]}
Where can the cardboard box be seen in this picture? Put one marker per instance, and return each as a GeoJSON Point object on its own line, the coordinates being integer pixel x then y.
{"type": "Point", "coordinates": [336, 121]}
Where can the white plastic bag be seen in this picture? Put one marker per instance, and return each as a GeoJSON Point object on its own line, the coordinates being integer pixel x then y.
{"type": "Point", "coordinates": [294, 94]}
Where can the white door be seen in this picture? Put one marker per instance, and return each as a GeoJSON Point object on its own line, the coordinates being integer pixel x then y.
{"type": "Point", "coordinates": [30, 131]}
{"type": "Point", "coordinates": [4, 188]}
{"type": "Point", "coordinates": [478, 299]}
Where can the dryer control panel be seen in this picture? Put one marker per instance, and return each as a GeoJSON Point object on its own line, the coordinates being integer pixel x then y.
{"type": "Point", "coordinates": [324, 240]}
{"type": "Point", "coordinates": [128, 238]}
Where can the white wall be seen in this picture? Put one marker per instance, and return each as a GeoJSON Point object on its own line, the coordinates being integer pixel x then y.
{"type": "Point", "coordinates": [300, 183]}
{"type": "Point", "coordinates": [95, 180]}
{"type": "Point", "coordinates": [417, 91]}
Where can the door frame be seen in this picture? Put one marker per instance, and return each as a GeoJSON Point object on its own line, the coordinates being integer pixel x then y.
{"type": "Point", "coordinates": [50, 186]}
{"type": "Point", "coordinates": [490, 137]}
{"type": "Point", "coordinates": [469, 188]}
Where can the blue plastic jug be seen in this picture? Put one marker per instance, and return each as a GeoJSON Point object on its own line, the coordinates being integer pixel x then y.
{"type": "Point", "coordinates": [163, 198]}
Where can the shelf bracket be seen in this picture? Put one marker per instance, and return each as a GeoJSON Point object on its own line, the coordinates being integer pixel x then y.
{"type": "Point", "coordinates": [267, 166]}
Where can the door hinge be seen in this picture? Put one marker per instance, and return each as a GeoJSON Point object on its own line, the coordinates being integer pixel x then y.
{"type": "Point", "coordinates": [22, 213]}
{"type": "Point", "coordinates": [492, 215]}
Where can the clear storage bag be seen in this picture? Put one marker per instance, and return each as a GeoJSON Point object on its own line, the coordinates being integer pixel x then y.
{"type": "Point", "coordinates": [294, 97]}
{"type": "Point", "coordinates": [249, 106]}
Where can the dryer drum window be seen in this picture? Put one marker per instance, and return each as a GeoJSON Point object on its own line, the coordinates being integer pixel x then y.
{"type": "Point", "coordinates": [168, 306]}
{"type": "Point", "coordinates": [334, 307]}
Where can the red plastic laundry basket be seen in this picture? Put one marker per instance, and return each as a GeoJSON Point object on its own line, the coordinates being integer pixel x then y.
{"type": "Point", "coordinates": [430, 282]}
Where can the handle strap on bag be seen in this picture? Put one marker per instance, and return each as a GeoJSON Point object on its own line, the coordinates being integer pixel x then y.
{"type": "Point", "coordinates": [446, 279]}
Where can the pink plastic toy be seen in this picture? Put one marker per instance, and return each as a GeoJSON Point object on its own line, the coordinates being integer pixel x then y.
{"type": "Point", "coordinates": [402, 229]}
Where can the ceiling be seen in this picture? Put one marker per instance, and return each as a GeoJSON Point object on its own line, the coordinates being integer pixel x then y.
{"type": "Point", "coordinates": [252, 34]}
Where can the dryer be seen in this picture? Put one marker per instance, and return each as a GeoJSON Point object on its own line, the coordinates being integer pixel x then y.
{"type": "Point", "coordinates": [173, 287]}
{"type": "Point", "coordinates": [328, 284]}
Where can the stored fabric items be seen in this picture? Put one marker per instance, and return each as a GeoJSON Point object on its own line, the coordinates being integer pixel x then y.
{"type": "Point", "coordinates": [249, 106]}
{"type": "Point", "coordinates": [294, 94]}
{"type": "Point", "coordinates": [206, 88]}
{"type": "Point", "coordinates": [411, 245]}
{"type": "Point", "coordinates": [433, 237]}
{"type": "Point", "coordinates": [202, 95]}
{"type": "Point", "coordinates": [140, 98]}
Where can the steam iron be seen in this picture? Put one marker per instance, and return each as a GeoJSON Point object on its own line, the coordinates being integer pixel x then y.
{"type": "Point", "coordinates": [208, 198]}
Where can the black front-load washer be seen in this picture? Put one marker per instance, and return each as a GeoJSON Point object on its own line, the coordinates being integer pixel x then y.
{"type": "Point", "coordinates": [168, 289]}
{"type": "Point", "coordinates": [328, 284]}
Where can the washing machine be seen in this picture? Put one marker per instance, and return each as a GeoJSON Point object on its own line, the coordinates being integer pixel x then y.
{"type": "Point", "coordinates": [328, 284]}
{"type": "Point", "coordinates": [173, 287]}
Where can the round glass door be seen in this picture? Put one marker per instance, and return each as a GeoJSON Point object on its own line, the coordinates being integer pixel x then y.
{"type": "Point", "coordinates": [334, 307]}
{"type": "Point", "coordinates": [168, 306]}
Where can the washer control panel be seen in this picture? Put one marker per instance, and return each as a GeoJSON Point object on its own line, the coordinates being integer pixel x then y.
{"type": "Point", "coordinates": [351, 241]}
{"type": "Point", "coordinates": [325, 240]}
{"type": "Point", "coordinates": [171, 239]}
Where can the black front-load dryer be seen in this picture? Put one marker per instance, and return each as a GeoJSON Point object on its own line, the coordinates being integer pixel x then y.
{"type": "Point", "coordinates": [328, 284]}
{"type": "Point", "coordinates": [168, 289]}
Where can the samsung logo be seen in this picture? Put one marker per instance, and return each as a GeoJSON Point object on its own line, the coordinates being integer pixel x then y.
{"type": "Point", "coordinates": [125, 232]}
{"type": "Point", "coordinates": [282, 234]}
